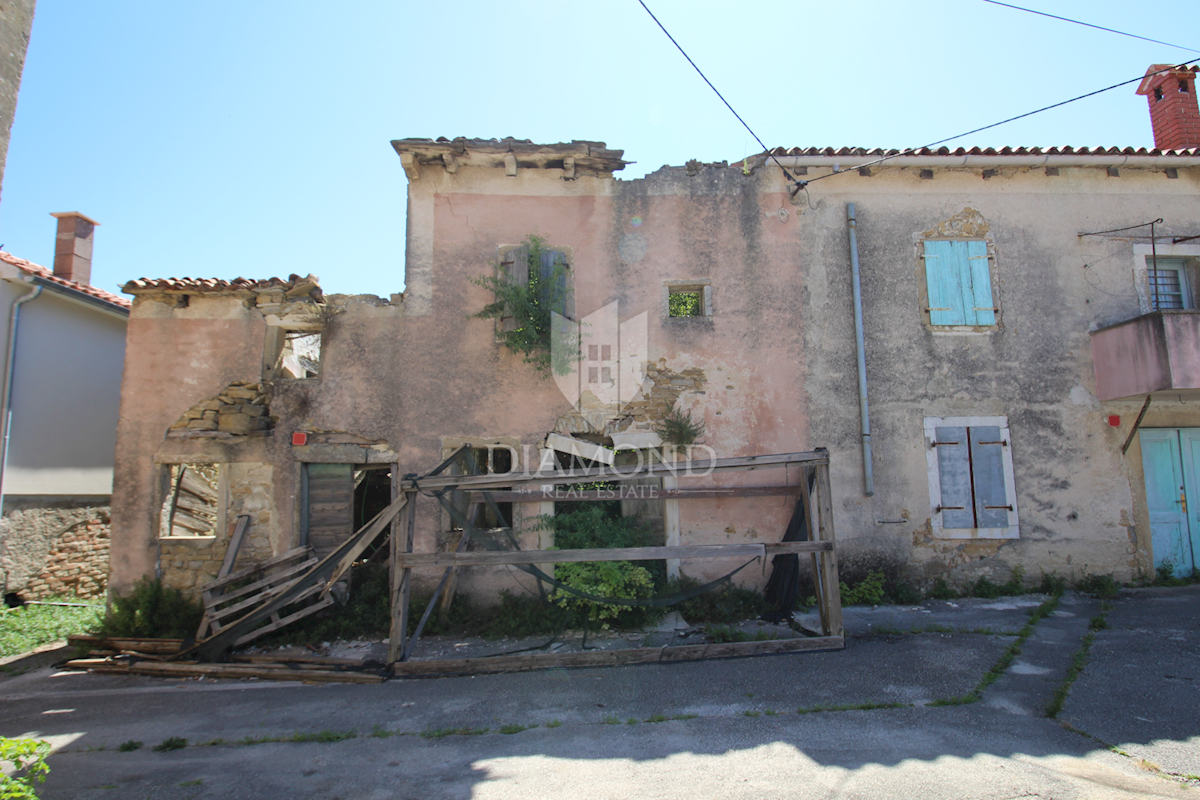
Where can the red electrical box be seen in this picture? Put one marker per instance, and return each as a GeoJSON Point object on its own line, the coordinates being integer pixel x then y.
{"type": "Point", "coordinates": [1114, 420]}
{"type": "Point", "coordinates": [299, 439]}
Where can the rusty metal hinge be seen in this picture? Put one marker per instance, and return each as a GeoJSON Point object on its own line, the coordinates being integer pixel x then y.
{"type": "Point", "coordinates": [940, 509]}
{"type": "Point", "coordinates": [1009, 508]}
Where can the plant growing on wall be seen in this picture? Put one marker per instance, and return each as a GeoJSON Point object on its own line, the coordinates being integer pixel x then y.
{"type": "Point", "coordinates": [679, 429]}
{"type": "Point", "coordinates": [526, 292]}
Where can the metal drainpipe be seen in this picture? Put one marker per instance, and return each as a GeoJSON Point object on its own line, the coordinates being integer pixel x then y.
{"type": "Point", "coordinates": [10, 360]}
{"type": "Point", "coordinates": [868, 475]}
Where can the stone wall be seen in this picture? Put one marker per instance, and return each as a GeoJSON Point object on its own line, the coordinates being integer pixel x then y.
{"type": "Point", "coordinates": [188, 562]}
{"type": "Point", "coordinates": [241, 409]}
{"type": "Point", "coordinates": [49, 552]}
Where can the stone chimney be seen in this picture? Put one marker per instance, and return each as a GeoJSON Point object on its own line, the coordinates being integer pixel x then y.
{"type": "Point", "coordinates": [73, 247]}
{"type": "Point", "coordinates": [1173, 110]}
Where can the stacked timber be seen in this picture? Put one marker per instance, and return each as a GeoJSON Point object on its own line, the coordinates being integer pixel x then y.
{"type": "Point", "coordinates": [193, 510]}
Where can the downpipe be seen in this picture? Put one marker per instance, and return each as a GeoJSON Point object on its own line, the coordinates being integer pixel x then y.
{"type": "Point", "coordinates": [868, 474]}
{"type": "Point", "coordinates": [10, 361]}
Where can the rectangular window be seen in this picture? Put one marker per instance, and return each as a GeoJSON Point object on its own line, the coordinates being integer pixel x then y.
{"type": "Point", "coordinates": [688, 298]}
{"type": "Point", "coordinates": [546, 272]}
{"type": "Point", "coordinates": [192, 507]}
{"type": "Point", "coordinates": [971, 488]}
{"type": "Point", "coordinates": [1168, 285]}
{"type": "Point", "coordinates": [959, 283]}
{"type": "Point", "coordinates": [292, 353]}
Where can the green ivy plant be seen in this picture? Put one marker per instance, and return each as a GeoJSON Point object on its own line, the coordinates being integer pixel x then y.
{"type": "Point", "coordinates": [28, 760]}
{"type": "Point", "coordinates": [530, 306]}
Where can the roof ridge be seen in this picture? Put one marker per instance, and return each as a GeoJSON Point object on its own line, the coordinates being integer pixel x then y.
{"type": "Point", "coordinates": [38, 271]}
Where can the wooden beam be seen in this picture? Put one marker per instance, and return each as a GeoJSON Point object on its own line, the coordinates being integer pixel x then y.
{"type": "Point", "coordinates": [500, 557]}
{"type": "Point", "coordinates": [600, 658]}
{"type": "Point", "coordinates": [828, 558]}
{"type": "Point", "coordinates": [682, 469]}
{"type": "Point", "coordinates": [402, 544]}
{"type": "Point", "coordinates": [552, 495]}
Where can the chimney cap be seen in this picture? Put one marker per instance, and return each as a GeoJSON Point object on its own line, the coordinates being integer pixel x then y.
{"type": "Point", "coordinates": [61, 214]}
{"type": "Point", "coordinates": [1157, 70]}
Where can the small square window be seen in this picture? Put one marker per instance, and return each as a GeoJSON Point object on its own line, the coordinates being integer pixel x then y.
{"type": "Point", "coordinates": [688, 299]}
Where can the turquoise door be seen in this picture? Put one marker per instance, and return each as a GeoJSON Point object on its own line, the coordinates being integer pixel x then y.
{"type": "Point", "coordinates": [1170, 457]}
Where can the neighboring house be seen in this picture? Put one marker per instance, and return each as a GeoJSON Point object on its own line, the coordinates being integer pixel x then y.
{"type": "Point", "coordinates": [64, 341]}
{"type": "Point", "coordinates": [1010, 300]}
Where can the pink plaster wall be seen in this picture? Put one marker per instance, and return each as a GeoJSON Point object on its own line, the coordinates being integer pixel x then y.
{"type": "Point", "coordinates": [1150, 353]}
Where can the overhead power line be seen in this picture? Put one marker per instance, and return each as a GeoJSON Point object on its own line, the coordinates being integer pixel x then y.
{"type": "Point", "coordinates": [1090, 25]}
{"type": "Point", "coordinates": [787, 174]}
{"type": "Point", "coordinates": [1002, 122]}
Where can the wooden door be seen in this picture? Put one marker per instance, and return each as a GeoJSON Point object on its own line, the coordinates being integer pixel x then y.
{"type": "Point", "coordinates": [1166, 497]}
{"type": "Point", "coordinates": [329, 497]}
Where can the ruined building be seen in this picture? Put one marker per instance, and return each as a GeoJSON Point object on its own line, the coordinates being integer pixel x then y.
{"type": "Point", "coordinates": [1017, 315]}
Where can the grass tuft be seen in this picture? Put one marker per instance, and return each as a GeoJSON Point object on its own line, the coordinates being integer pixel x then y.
{"type": "Point", "coordinates": [129, 746]}
{"type": "Point", "coordinates": [327, 735]}
{"type": "Point", "coordinates": [169, 744]}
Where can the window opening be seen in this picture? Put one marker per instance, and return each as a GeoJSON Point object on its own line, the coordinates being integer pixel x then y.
{"type": "Point", "coordinates": [688, 298]}
{"type": "Point", "coordinates": [1168, 285]}
{"type": "Point", "coordinates": [191, 507]}
{"type": "Point", "coordinates": [684, 304]}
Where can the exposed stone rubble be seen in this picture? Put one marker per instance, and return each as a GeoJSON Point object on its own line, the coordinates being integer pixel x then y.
{"type": "Point", "coordinates": [241, 409]}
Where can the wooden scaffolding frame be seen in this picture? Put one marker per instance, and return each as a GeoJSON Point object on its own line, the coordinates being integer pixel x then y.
{"type": "Point", "coordinates": [481, 489]}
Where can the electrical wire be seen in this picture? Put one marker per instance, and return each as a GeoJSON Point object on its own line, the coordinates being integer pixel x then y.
{"type": "Point", "coordinates": [767, 150]}
{"type": "Point", "coordinates": [1090, 25]}
{"type": "Point", "coordinates": [911, 150]}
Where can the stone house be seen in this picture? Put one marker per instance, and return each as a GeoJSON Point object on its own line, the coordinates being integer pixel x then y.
{"type": "Point", "coordinates": [64, 345]}
{"type": "Point", "coordinates": [1016, 310]}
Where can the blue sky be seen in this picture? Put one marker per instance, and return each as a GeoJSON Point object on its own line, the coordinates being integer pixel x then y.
{"type": "Point", "coordinates": [252, 138]}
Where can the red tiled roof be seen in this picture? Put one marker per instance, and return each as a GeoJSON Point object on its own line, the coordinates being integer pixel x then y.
{"type": "Point", "coordinates": [219, 285]}
{"type": "Point", "coordinates": [984, 151]}
{"type": "Point", "coordinates": [38, 271]}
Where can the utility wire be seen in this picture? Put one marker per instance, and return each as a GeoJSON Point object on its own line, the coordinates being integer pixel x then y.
{"type": "Point", "coordinates": [766, 149]}
{"type": "Point", "coordinates": [1090, 25]}
{"type": "Point", "coordinates": [911, 150]}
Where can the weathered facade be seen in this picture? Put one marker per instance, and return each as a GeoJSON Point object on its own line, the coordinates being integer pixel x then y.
{"type": "Point", "coordinates": [992, 447]}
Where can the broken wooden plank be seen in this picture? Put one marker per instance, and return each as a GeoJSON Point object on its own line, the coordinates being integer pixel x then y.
{"type": "Point", "coordinates": [682, 469]}
{"type": "Point", "coordinates": [275, 578]}
{"type": "Point", "coordinates": [500, 557]}
{"type": "Point", "coordinates": [235, 544]}
{"type": "Point", "coordinates": [600, 658]}
{"type": "Point", "coordinates": [245, 572]}
{"type": "Point", "coordinates": [324, 602]}
{"type": "Point", "coordinates": [220, 615]}
{"type": "Point", "coordinates": [193, 670]}
{"type": "Point", "coordinates": [157, 646]}
{"type": "Point", "coordinates": [280, 658]}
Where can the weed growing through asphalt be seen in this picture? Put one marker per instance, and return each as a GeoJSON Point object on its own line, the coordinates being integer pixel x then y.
{"type": "Point", "coordinates": [770, 712]}
{"type": "Point", "coordinates": [684, 716]}
{"type": "Point", "coordinates": [750, 713]}
{"type": "Point", "coordinates": [850, 707]}
{"type": "Point", "coordinates": [1078, 662]}
{"type": "Point", "coordinates": [632, 721]}
{"type": "Point", "coordinates": [1006, 658]}
{"type": "Point", "coordinates": [512, 728]}
{"type": "Point", "coordinates": [554, 723]}
{"type": "Point", "coordinates": [324, 736]}
{"type": "Point", "coordinates": [656, 718]}
{"type": "Point", "coordinates": [169, 744]}
{"type": "Point", "coordinates": [197, 782]}
{"type": "Point", "coordinates": [612, 719]}
{"type": "Point", "coordinates": [129, 746]}
{"type": "Point", "coordinates": [442, 733]}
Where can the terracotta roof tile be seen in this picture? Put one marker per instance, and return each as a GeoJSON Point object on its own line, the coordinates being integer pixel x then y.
{"type": "Point", "coordinates": [306, 285]}
{"type": "Point", "coordinates": [986, 151]}
{"type": "Point", "coordinates": [38, 271]}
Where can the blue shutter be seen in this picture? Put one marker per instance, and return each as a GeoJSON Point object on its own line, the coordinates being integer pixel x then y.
{"type": "Point", "coordinates": [943, 278]}
{"type": "Point", "coordinates": [959, 283]}
{"type": "Point", "coordinates": [981, 283]}
{"type": "Point", "coordinates": [954, 476]}
{"type": "Point", "coordinates": [987, 477]}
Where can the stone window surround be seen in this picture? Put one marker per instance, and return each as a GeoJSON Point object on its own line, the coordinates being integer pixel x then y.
{"type": "Point", "coordinates": [1013, 531]}
{"type": "Point", "coordinates": [922, 283]}
{"type": "Point", "coordinates": [1143, 254]}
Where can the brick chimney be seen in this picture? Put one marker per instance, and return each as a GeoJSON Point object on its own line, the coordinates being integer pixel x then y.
{"type": "Point", "coordinates": [73, 247]}
{"type": "Point", "coordinates": [1173, 110]}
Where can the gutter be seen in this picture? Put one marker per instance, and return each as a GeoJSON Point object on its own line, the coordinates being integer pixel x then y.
{"type": "Point", "coordinates": [850, 162]}
{"type": "Point", "coordinates": [868, 472]}
{"type": "Point", "coordinates": [80, 297]}
{"type": "Point", "coordinates": [10, 359]}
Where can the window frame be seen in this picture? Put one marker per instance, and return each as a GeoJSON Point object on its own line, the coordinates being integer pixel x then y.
{"type": "Point", "coordinates": [1010, 531]}
{"type": "Point", "coordinates": [701, 286]}
{"type": "Point", "coordinates": [993, 285]}
{"type": "Point", "coordinates": [221, 491]}
{"type": "Point", "coordinates": [1143, 258]}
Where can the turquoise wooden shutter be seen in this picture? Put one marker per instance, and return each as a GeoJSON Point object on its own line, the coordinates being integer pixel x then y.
{"type": "Point", "coordinates": [943, 277]}
{"type": "Point", "coordinates": [987, 477]}
{"type": "Point", "coordinates": [954, 477]}
{"type": "Point", "coordinates": [959, 283]}
{"type": "Point", "coordinates": [981, 283]}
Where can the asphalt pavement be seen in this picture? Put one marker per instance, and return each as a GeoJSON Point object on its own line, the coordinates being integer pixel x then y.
{"type": "Point", "coordinates": [926, 701]}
